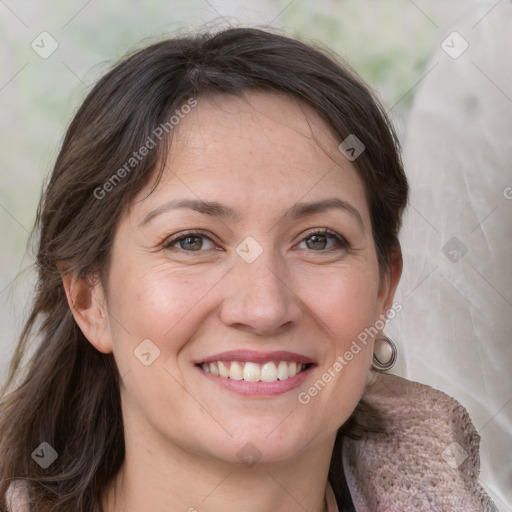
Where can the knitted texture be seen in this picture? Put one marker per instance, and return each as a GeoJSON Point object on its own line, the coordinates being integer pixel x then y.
{"type": "Point", "coordinates": [426, 460]}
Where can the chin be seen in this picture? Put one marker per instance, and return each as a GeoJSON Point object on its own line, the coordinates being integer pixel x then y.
{"type": "Point", "coordinates": [262, 443]}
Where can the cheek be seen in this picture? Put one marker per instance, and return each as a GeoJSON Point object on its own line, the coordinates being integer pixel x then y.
{"type": "Point", "coordinates": [154, 303]}
{"type": "Point", "coordinates": [345, 301]}
{"type": "Point", "coordinates": [346, 305]}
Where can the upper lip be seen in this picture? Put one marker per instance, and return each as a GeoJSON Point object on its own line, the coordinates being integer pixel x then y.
{"type": "Point", "coordinates": [254, 356]}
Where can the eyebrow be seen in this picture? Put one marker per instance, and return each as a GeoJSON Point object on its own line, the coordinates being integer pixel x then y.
{"type": "Point", "coordinates": [216, 209]}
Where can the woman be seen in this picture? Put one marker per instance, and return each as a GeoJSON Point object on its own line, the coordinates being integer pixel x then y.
{"type": "Point", "coordinates": [218, 254]}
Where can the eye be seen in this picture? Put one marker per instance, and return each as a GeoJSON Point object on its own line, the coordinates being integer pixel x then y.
{"type": "Point", "coordinates": [189, 241]}
{"type": "Point", "coordinates": [319, 239]}
{"type": "Point", "coordinates": [193, 241]}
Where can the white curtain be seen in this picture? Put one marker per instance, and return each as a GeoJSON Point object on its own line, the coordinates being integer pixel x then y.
{"type": "Point", "coordinates": [455, 331]}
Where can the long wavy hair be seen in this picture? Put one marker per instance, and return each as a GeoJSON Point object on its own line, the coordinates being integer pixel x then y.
{"type": "Point", "coordinates": [67, 394]}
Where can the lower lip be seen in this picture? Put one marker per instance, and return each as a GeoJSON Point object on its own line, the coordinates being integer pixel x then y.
{"type": "Point", "coordinates": [259, 389]}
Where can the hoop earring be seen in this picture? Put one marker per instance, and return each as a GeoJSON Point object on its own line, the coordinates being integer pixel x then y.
{"type": "Point", "coordinates": [385, 353]}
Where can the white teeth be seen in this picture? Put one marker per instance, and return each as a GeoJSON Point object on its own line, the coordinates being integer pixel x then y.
{"type": "Point", "coordinates": [268, 372]}
{"type": "Point", "coordinates": [282, 370]}
{"type": "Point", "coordinates": [223, 370]}
{"type": "Point", "coordinates": [254, 372]}
{"type": "Point", "coordinates": [236, 371]}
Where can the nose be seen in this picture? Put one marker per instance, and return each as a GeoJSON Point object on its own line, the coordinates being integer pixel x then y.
{"type": "Point", "coordinates": [259, 297]}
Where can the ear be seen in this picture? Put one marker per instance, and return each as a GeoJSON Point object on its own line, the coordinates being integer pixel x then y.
{"type": "Point", "coordinates": [87, 302]}
{"type": "Point", "coordinates": [389, 280]}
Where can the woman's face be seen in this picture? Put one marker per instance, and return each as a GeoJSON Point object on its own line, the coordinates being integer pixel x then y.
{"type": "Point", "coordinates": [243, 287]}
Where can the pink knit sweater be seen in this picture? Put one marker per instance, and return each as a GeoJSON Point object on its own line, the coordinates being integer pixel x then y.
{"type": "Point", "coordinates": [428, 460]}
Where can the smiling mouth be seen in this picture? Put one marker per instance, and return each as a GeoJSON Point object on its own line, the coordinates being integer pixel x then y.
{"type": "Point", "coordinates": [248, 371]}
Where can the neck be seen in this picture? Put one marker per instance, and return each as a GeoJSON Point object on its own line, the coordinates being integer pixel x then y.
{"type": "Point", "coordinates": [173, 479]}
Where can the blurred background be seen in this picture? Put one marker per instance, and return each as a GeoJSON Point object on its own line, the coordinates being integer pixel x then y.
{"type": "Point", "coordinates": [443, 71]}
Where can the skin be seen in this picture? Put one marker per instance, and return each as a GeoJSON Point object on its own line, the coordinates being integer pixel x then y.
{"type": "Point", "coordinates": [260, 156]}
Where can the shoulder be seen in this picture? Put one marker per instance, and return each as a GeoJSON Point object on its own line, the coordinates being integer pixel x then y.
{"type": "Point", "coordinates": [17, 497]}
{"type": "Point", "coordinates": [427, 458]}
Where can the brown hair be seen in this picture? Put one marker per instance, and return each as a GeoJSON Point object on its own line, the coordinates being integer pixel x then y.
{"type": "Point", "coordinates": [69, 393]}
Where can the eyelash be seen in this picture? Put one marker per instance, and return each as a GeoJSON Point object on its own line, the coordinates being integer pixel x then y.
{"type": "Point", "coordinates": [341, 241]}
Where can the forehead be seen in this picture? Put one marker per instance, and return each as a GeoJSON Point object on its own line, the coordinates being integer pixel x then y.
{"type": "Point", "coordinates": [262, 125]}
{"type": "Point", "coordinates": [255, 149]}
